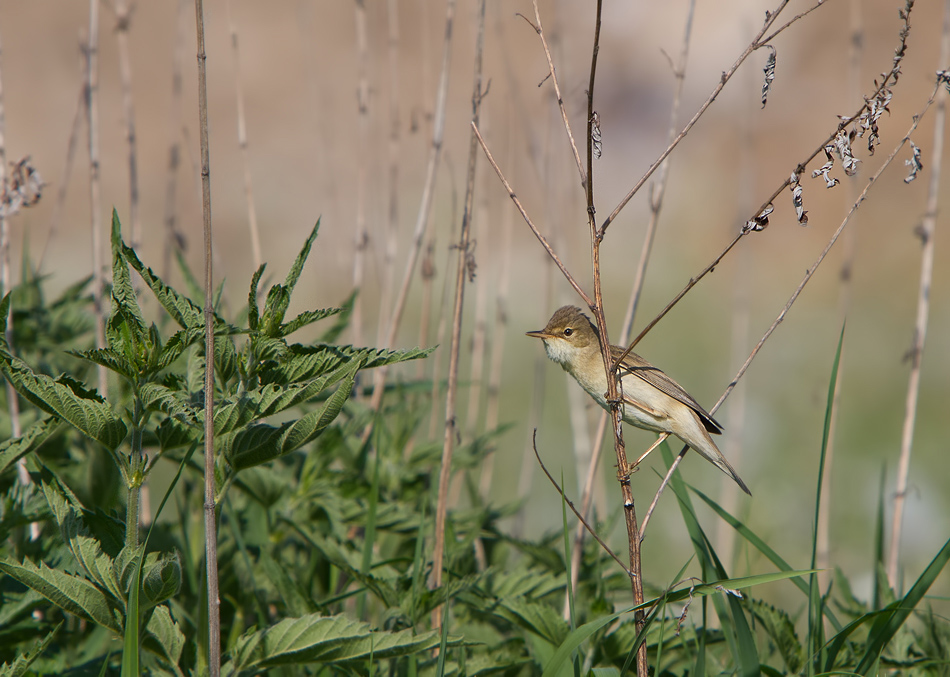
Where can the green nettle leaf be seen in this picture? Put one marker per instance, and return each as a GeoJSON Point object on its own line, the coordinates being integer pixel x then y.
{"type": "Point", "coordinates": [22, 663]}
{"type": "Point", "coordinates": [13, 450]}
{"type": "Point", "coordinates": [781, 629]}
{"type": "Point", "coordinates": [169, 641]}
{"type": "Point", "coordinates": [186, 313]}
{"type": "Point", "coordinates": [305, 318]}
{"type": "Point", "coordinates": [538, 618]}
{"type": "Point", "coordinates": [316, 639]}
{"type": "Point", "coordinates": [110, 359]}
{"type": "Point", "coordinates": [261, 443]}
{"type": "Point", "coordinates": [275, 306]}
{"type": "Point", "coordinates": [305, 362]}
{"type": "Point", "coordinates": [174, 403]}
{"type": "Point", "coordinates": [253, 314]}
{"type": "Point", "coordinates": [68, 399]}
{"type": "Point", "coordinates": [162, 578]}
{"type": "Point", "coordinates": [71, 593]}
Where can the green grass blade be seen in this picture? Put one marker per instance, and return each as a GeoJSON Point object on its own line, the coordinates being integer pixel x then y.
{"type": "Point", "coordinates": [887, 625]}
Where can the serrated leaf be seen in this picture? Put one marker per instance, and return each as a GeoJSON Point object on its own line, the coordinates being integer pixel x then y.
{"type": "Point", "coordinates": [301, 259]}
{"type": "Point", "coordinates": [162, 578]}
{"type": "Point", "coordinates": [186, 313]}
{"type": "Point", "coordinates": [253, 314]}
{"type": "Point", "coordinates": [108, 358]}
{"type": "Point", "coordinates": [538, 618]}
{"type": "Point", "coordinates": [13, 450]}
{"type": "Point", "coordinates": [261, 443]}
{"type": "Point", "coordinates": [316, 639]}
{"type": "Point", "coordinates": [22, 663]}
{"type": "Point", "coordinates": [174, 403]}
{"type": "Point", "coordinates": [67, 399]}
{"type": "Point", "coordinates": [71, 593]}
{"type": "Point", "coordinates": [305, 318]}
{"type": "Point", "coordinates": [167, 635]}
{"type": "Point", "coordinates": [781, 629]}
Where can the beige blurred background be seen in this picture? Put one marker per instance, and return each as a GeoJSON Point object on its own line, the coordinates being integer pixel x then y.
{"type": "Point", "coordinates": [307, 147]}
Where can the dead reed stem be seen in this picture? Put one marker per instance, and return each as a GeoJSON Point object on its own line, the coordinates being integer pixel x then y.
{"type": "Point", "coordinates": [173, 239]}
{"type": "Point", "coordinates": [465, 264]}
{"type": "Point", "coordinates": [425, 204]}
{"type": "Point", "coordinates": [95, 189]}
{"type": "Point", "coordinates": [926, 231]}
{"type": "Point", "coordinates": [123, 19]}
{"type": "Point", "coordinates": [211, 542]}
{"type": "Point", "coordinates": [256, 255]}
{"type": "Point", "coordinates": [360, 235]}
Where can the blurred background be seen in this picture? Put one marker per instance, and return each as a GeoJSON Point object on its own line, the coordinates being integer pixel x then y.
{"type": "Point", "coordinates": [312, 154]}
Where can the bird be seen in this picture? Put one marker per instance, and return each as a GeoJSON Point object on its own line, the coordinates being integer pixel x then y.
{"type": "Point", "coordinates": [651, 399]}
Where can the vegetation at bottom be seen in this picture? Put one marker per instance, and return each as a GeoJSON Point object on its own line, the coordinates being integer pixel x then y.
{"type": "Point", "coordinates": [325, 522]}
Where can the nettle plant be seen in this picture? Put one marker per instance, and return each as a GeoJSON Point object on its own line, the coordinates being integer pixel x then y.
{"type": "Point", "coordinates": [97, 571]}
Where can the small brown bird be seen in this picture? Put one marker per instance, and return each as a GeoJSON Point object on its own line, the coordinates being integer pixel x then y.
{"type": "Point", "coordinates": [652, 400]}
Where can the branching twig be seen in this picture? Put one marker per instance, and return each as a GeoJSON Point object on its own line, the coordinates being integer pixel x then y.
{"type": "Point", "coordinates": [581, 519]}
{"type": "Point", "coordinates": [801, 286]}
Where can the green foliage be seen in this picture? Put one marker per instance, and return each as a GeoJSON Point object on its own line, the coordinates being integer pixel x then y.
{"type": "Point", "coordinates": [324, 533]}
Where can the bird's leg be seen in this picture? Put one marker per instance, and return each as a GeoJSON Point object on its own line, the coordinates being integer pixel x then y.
{"type": "Point", "coordinates": [659, 441]}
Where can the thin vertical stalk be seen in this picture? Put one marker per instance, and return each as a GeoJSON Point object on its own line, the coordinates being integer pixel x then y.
{"type": "Point", "coordinates": [123, 18]}
{"type": "Point", "coordinates": [464, 260]}
{"type": "Point", "coordinates": [211, 544]}
{"type": "Point", "coordinates": [392, 218]}
{"type": "Point", "coordinates": [173, 240]}
{"type": "Point", "coordinates": [242, 143]}
{"type": "Point", "coordinates": [95, 202]}
{"type": "Point", "coordinates": [360, 236]}
{"type": "Point", "coordinates": [13, 403]}
{"type": "Point", "coordinates": [926, 231]}
{"type": "Point", "coordinates": [823, 559]}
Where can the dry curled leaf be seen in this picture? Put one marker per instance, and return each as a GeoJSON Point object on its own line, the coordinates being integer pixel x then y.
{"type": "Point", "coordinates": [796, 188]}
{"type": "Point", "coordinates": [825, 169]}
{"type": "Point", "coordinates": [25, 188]}
{"type": "Point", "coordinates": [760, 221]}
{"type": "Point", "coordinates": [842, 144]}
{"type": "Point", "coordinates": [769, 75]}
{"type": "Point", "coordinates": [596, 145]}
{"type": "Point", "coordinates": [914, 163]}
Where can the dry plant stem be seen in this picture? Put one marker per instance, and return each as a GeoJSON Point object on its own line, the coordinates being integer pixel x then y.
{"type": "Point", "coordinates": [392, 219]}
{"type": "Point", "coordinates": [61, 189]}
{"type": "Point", "coordinates": [242, 143]}
{"type": "Point", "coordinates": [360, 236]}
{"type": "Point", "coordinates": [6, 277]}
{"type": "Point", "coordinates": [211, 543]}
{"type": "Point", "coordinates": [464, 255]}
{"type": "Point", "coordinates": [95, 202]}
{"type": "Point", "coordinates": [801, 286]}
{"type": "Point", "coordinates": [123, 17]}
{"type": "Point", "coordinates": [557, 91]}
{"type": "Point", "coordinates": [425, 205]}
{"type": "Point", "coordinates": [756, 43]}
{"type": "Point", "coordinates": [527, 219]}
{"type": "Point", "coordinates": [656, 203]}
{"type": "Point", "coordinates": [614, 396]}
{"type": "Point", "coordinates": [581, 520]}
{"type": "Point", "coordinates": [926, 231]}
{"type": "Point", "coordinates": [173, 240]}
{"type": "Point", "coordinates": [823, 537]}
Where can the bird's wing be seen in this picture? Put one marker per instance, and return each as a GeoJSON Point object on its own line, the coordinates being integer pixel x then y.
{"type": "Point", "coordinates": [639, 367]}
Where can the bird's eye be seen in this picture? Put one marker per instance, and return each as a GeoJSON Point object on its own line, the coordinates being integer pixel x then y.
{"type": "Point", "coordinates": [568, 331]}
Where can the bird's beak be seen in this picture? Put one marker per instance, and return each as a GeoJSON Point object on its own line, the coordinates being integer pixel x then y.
{"type": "Point", "coordinates": [537, 334]}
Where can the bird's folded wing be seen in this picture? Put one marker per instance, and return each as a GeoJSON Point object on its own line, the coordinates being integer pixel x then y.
{"type": "Point", "coordinates": [637, 366]}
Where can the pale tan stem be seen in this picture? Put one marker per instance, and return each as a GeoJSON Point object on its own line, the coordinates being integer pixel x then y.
{"type": "Point", "coordinates": [926, 232]}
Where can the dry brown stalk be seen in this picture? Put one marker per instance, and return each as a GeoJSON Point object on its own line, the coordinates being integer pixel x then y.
{"type": "Point", "coordinates": [465, 262]}
{"type": "Point", "coordinates": [95, 189]}
{"type": "Point", "coordinates": [360, 235]}
{"type": "Point", "coordinates": [123, 19]}
{"type": "Point", "coordinates": [926, 232]}
{"type": "Point", "coordinates": [256, 255]}
{"type": "Point", "coordinates": [211, 537]}
{"type": "Point", "coordinates": [173, 239]}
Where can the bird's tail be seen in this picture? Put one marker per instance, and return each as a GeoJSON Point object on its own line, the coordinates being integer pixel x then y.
{"type": "Point", "coordinates": [704, 445]}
